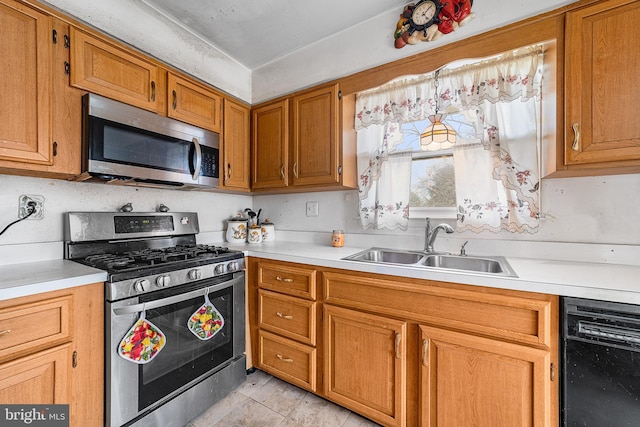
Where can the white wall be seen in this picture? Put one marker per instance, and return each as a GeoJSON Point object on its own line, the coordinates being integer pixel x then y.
{"type": "Point", "coordinates": [370, 43]}
{"type": "Point", "coordinates": [599, 210]}
{"type": "Point", "coordinates": [62, 196]}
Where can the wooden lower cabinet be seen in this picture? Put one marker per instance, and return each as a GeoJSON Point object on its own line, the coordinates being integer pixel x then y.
{"type": "Point", "coordinates": [51, 351]}
{"type": "Point", "coordinates": [41, 378]}
{"type": "Point", "coordinates": [409, 352]}
{"type": "Point", "coordinates": [467, 380]}
{"type": "Point", "coordinates": [365, 364]}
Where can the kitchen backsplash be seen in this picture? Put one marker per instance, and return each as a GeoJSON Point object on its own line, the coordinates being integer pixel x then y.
{"type": "Point", "coordinates": [62, 196]}
{"type": "Point", "coordinates": [599, 213]}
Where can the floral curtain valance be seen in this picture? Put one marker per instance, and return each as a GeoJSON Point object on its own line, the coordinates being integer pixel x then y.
{"type": "Point", "coordinates": [501, 79]}
{"type": "Point", "coordinates": [497, 169]}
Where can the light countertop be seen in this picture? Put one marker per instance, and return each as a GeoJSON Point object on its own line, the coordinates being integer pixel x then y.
{"type": "Point", "coordinates": [18, 280]}
{"type": "Point", "coordinates": [613, 282]}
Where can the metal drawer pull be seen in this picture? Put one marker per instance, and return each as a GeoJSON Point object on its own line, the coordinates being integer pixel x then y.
{"type": "Point", "coordinates": [576, 137]}
{"type": "Point", "coordinates": [5, 332]}
{"type": "Point", "coordinates": [398, 339]}
{"type": "Point", "coordinates": [282, 171]}
{"type": "Point", "coordinates": [284, 316]}
{"type": "Point", "coordinates": [280, 279]}
{"type": "Point", "coordinates": [153, 90]}
{"type": "Point", "coordinates": [425, 347]}
{"type": "Point", "coordinates": [295, 169]}
{"type": "Point", "coordinates": [284, 359]}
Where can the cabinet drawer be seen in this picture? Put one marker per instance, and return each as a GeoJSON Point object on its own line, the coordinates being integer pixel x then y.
{"type": "Point", "coordinates": [296, 281]}
{"type": "Point", "coordinates": [288, 316]}
{"type": "Point", "coordinates": [289, 360]}
{"type": "Point", "coordinates": [35, 325]}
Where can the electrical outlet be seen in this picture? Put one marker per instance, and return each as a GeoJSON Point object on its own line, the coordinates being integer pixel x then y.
{"type": "Point", "coordinates": [23, 206]}
{"type": "Point", "coordinates": [312, 208]}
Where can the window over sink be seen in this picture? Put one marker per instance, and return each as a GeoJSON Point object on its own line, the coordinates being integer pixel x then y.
{"type": "Point", "coordinates": [489, 180]}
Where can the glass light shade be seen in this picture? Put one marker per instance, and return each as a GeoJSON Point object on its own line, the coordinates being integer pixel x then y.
{"type": "Point", "coordinates": [438, 136]}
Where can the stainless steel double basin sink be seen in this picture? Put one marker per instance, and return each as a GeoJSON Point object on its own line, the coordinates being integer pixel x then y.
{"type": "Point", "coordinates": [494, 265]}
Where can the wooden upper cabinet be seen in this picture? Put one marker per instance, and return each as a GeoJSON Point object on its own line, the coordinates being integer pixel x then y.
{"type": "Point", "coordinates": [315, 150]}
{"type": "Point", "coordinates": [467, 380]}
{"type": "Point", "coordinates": [194, 104]}
{"type": "Point", "coordinates": [601, 97]}
{"type": "Point", "coordinates": [236, 146]}
{"type": "Point", "coordinates": [270, 145]}
{"type": "Point", "coordinates": [315, 137]}
{"type": "Point", "coordinates": [108, 70]}
{"type": "Point", "coordinates": [25, 84]}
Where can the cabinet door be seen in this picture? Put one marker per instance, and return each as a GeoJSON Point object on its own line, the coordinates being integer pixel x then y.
{"type": "Point", "coordinates": [473, 381]}
{"type": "Point", "coordinates": [105, 69]}
{"type": "Point", "coordinates": [365, 364]}
{"type": "Point", "coordinates": [601, 94]}
{"type": "Point", "coordinates": [236, 147]}
{"type": "Point", "coordinates": [270, 145]}
{"type": "Point", "coordinates": [194, 104]}
{"type": "Point", "coordinates": [41, 378]}
{"type": "Point", "coordinates": [315, 137]}
{"type": "Point", "coordinates": [25, 84]}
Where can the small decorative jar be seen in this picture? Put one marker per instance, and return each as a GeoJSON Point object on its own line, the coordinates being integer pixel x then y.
{"type": "Point", "coordinates": [268, 231]}
{"type": "Point", "coordinates": [337, 238]}
{"type": "Point", "coordinates": [237, 230]}
{"type": "Point", "coordinates": [254, 235]}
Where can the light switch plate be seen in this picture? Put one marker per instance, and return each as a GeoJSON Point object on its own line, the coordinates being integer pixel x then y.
{"type": "Point", "coordinates": [312, 208]}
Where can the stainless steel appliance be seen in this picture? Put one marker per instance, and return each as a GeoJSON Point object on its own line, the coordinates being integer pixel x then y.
{"type": "Point", "coordinates": [129, 144]}
{"type": "Point", "coordinates": [601, 372]}
{"type": "Point", "coordinates": [155, 267]}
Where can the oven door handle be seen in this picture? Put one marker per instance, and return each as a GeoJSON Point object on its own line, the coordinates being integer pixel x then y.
{"type": "Point", "coordinates": [138, 308]}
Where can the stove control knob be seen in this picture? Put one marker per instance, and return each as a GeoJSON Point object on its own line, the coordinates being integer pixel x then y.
{"type": "Point", "coordinates": [162, 281]}
{"type": "Point", "coordinates": [232, 266]}
{"type": "Point", "coordinates": [141, 285]}
{"type": "Point", "coordinates": [219, 269]}
{"type": "Point", "coordinates": [194, 274]}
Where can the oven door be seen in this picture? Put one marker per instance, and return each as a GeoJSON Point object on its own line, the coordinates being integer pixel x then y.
{"type": "Point", "coordinates": [132, 389]}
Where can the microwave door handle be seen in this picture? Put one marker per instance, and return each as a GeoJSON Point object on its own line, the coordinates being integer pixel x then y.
{"type": "Point", "coordinates": [138, 308]}
{"type": "Point", "coordinates": [198, 162]}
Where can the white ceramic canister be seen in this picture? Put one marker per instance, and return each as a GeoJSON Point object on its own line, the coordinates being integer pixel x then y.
{"type": "Point", "coordinates": [237, 230]}
{"type": "Point", "coordinates": [254, 235]}
{"type": "Point", "coordinates": [268, 231]}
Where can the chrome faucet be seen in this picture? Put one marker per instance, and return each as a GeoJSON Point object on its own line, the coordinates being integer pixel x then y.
{"type": "Point", "coordinates": [431, 234]}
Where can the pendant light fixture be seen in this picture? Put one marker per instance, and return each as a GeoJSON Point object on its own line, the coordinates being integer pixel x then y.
{"type": "Point", "coordinates": [437, 136]}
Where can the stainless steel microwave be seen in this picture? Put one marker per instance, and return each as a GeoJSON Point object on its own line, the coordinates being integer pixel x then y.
{"type": "Point", "coordinates": [121, 142]}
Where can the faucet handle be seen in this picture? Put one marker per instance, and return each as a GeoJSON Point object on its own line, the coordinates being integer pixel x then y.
{"type": "Point", "coordinates": [463, 252]}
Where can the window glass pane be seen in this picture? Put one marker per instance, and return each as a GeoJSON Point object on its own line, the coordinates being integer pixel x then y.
{"type": "Point", "coordinates": [432, 172]}
{"type": "Point", "coordinates": [433, 183]}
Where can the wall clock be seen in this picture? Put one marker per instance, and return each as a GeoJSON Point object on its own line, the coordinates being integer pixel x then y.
{"type": "Point", "coordinates": [428, 20]}
{"type": "Point", "coordinates": [424, 14]}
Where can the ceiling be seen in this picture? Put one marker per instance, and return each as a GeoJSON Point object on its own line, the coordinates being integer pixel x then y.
{"type": "Point", "coordinates": [260, 31]}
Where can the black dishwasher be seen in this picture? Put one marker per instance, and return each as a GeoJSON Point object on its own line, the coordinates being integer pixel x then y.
{"type": "Point", "coordinates": [601, 375]}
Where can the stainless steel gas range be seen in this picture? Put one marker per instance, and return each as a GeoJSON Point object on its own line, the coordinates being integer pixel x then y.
{"type": "Point", "coordinates": [174, 314]}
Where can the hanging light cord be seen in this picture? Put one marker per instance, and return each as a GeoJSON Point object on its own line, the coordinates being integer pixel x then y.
{"type": "Point", "coordinates": [435, 83]}
{"type": "Point", "coordinates": [31, 209]}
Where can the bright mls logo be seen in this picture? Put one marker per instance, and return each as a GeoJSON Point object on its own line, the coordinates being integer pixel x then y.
{"type": "Point", "coordinates": [34, 415]}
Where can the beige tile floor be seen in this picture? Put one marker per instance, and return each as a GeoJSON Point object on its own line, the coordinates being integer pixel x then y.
{"type": "Point", "coordinates": [265, 401]}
